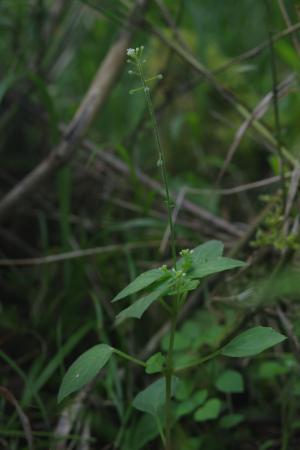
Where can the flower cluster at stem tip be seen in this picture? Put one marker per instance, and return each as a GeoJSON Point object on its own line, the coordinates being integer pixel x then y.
{"type": "Point", "coordinates": [186, 265]}
{"type": "Point", "coordinates": [135, 58]}
{"type": "Point", "coordinates": [177, 273]}
{"type": "Point", "coordinates": [186, 252]}
{"type": "Point", "coordinates": [187, 259]}
{"type": "Point", "coordinates": [135, 53]}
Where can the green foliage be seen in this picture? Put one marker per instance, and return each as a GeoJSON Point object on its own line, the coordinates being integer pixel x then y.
{"type": "Point", "coordinates": [84, 369]}
{"type": "Point", "coordinates": [137, 309]}
{"type": "Point", "coordinates": [272, 231]}
{"type": "Point", "coordinates": [152, 399]}
{"type": "Point", "coordinates": [230, 382]}
{"type": "Point", "coordinates": [214, 266]}
{"type": "Point", "coordinates": [144, 431]}
{"type": "Point", "coordinates": [155, 363]}
{"type": "Point", "coordinates": [203, 261]}
{"type": "Point", "coordinates": [101, 217]}
{"type": "Point", "coordinates": [194, 401]}
{"type": "Point", "coordinates": [272, 369]}
{"type": "Point", "coordinates": [209, 411]}
{"type": "Point", "coordinates": [202, 253]}
{"type": "Point", "coordinates": [141, 282]}
{"type": "Point", "coordinates": [231, 420]}
{"type": "Point", "coordinates": [252, 342]}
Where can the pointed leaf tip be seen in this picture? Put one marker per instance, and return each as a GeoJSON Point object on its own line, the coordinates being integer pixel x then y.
{"type": "Point", "coordinates": [252, 342]}
{"type": "Point", "coordinates": [141, 282]}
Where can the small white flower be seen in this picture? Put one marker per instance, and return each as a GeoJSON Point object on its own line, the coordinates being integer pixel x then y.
{"type": "Point", "coordinates": [131, 52]}
{"type": "Point", "coordinates": [185, 252]}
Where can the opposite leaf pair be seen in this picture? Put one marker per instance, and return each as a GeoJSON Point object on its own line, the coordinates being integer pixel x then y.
{"type": "Point", "coordinates": [88, 365]}
{"type": "Point", "coordinates": [204, 260]}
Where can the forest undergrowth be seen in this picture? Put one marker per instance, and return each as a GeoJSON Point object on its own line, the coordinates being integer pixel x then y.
{"type": "Point", "coordinates": [149, 170]}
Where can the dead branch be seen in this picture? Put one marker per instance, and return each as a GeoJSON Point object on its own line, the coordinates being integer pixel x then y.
{"type": "Point", "coordinates": [189, 206]}
{"type": "Point", "coordinates": [75, 254]}
{"type": "Point", "coordinates": [91, 104]}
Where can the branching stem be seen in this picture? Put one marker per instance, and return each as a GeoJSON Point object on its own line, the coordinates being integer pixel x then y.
{"type": "Point", "coordinates": [130, 358]}
{"type": "Point", "coordinates": [197, 362]}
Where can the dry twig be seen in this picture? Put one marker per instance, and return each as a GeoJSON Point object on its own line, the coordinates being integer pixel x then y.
{"type": "Point", "coordinates": [91, 104]}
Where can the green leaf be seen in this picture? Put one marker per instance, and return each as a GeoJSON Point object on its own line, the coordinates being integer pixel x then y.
{"type": "Point", "coordinates": [186, 285]}
{"type": "Point", "coordinates": [42, 378]}
{"type": "Point", "coordinates": [188, 406]}
{"type": "Point", "coordinates": [144, 431]}
{"type": "Point", "coordinates": [141, 282]}
{"type": "Point", "coordinates": [216, 265]}
{"type": "Point", "coordinates": [155, 363]}
{"type": "Point", "coordinates": [184, 390]}
{"type": "Point", "coordinates": [209, 411]}
{"type": "Point", "coordinates": [137, 309]}
{"type": "Point", "coordinates": [231, 420]}
{"type": "Point", "coordinates": [230, 381]}
{"type": "Point", "coordinates": [271, 369]}
{"type": "Point", "coordinates": [152, 399]}
{"type": "Point", "coordinates": [204, 252]}
{"type": "Point", "coordinates": [207, 251]}
{"type": "Point", "coordinates": [84, 369]}
{"type": "Point", "coordinates": [252, 342]}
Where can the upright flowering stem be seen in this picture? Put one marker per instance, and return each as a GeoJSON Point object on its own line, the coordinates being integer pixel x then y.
{"type": "Point", "coordinates": [161, 162]}
{"type": "Point", "coordinates": [135, 57]}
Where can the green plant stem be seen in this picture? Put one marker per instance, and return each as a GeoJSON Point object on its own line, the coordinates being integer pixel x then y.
{"type": "Point", "coordinates": [130, 358]}
{"type": "Point", "coordinates": [161, 159]}
{"type": "Point", "coordinates": [276, 106]}
{"type": "Point", "coordinates": [197, 362]}
{"type": "Point", "coordinates": [165, 306]}
{"type": "Point", "coordinates": [174, 308]}
{"type": "Point", "coordinates": [168, 376]}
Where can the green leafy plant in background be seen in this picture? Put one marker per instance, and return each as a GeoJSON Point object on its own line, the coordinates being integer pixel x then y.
{"type": "Point", "coordinates": [272, 231]}
{"type": "Point", "coordinates": [170, 287]}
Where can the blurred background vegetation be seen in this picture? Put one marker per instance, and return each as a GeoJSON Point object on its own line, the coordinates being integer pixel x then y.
{"type": "Point", "coordinates": [228, 109]}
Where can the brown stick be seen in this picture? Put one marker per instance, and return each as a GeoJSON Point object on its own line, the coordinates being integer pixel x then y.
{"type": "Point", "coordinates": [91, 104]}
{"type": "Point", "coordinates": [189, 206]}
{"type": "Point", "coordinates": [75, 254]}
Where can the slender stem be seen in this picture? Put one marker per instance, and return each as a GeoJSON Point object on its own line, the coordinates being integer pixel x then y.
{"type": "Point", "coordinates": [168, 376]}
{"type": "Point", "coordinates": [130, 358]}
{"type": "Point", "coordinates": [169, 370]}
{"type": "Point", "coordinates": [197, 362]}
{"type": "Point", "coordinates": [276, 107]}
{"type": "Point", "coordinates": [165, 306]}
{"type": "Point", "coordinates": [161, 158]}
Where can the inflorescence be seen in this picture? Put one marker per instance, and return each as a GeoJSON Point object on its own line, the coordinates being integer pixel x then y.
{"type": "Point", "coordinates": [135, 58]}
